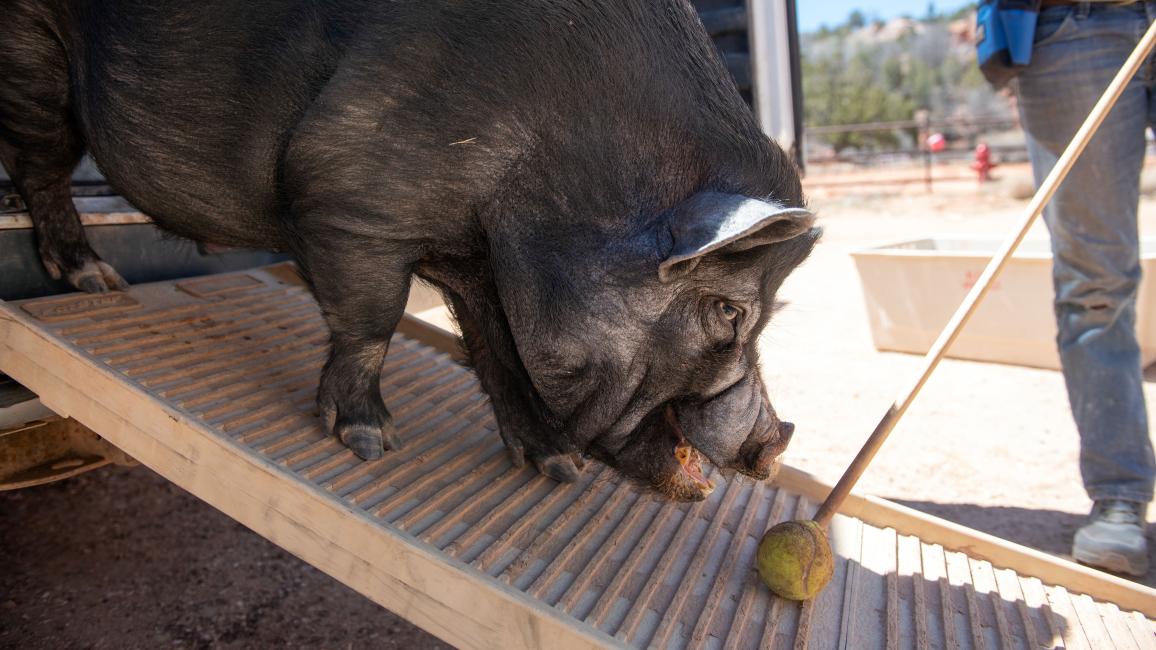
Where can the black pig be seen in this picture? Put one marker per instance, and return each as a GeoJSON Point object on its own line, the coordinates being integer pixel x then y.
{"type": "Point", "coordinates": [578, 177]}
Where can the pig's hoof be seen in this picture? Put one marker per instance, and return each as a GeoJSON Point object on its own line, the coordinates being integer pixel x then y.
{"type": "Point", "coordinates": [559, 467]}
{"type": "Point", "coordinates": [97, 277]}
{"type": "Point", "coordinates": [368, 443]}
{"type": "Point", "coordinates": [515, 451]}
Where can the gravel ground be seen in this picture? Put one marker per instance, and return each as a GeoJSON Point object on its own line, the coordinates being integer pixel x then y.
{"type": "Point", "coordinates": [120, 558]}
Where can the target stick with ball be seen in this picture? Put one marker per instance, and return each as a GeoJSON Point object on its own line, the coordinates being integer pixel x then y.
{"type": "Point", "coordinates": [794, 557]}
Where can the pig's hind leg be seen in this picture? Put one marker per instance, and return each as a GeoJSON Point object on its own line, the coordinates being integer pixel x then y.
{"type": "Point", "coordinates": [40, 146]}
{"type": "Point", "coordinates": [362, 289]}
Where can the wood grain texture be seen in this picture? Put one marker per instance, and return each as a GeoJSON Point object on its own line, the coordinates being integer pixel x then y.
{"type": "Point", "coordinates": [214, 391]}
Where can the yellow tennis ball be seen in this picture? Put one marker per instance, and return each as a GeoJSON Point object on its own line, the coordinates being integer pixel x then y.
{"type": "Point", "coordinates": [795, 560]}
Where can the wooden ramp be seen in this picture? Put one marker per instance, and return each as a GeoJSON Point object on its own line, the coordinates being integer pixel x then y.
{"type": "Point", "coordinates": [211, 381]}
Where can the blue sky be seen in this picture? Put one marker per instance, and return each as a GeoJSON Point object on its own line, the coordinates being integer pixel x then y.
{"type": "Point", "coordinates": [814, 13]}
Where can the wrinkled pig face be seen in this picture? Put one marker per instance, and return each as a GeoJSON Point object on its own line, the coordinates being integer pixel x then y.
{"type": "Point", "coordinates": [651, 363]}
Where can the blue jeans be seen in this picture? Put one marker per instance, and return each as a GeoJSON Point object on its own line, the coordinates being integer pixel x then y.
{"type": "Point", "coordinates": [1092, 219]}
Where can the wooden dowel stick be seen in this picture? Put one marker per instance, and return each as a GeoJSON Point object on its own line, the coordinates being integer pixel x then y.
{"type": "Point", "coordinates": [979, 290]}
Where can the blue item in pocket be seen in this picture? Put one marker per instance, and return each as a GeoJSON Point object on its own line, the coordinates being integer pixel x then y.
{"type": "Point", "coordinates": [1004, 32]}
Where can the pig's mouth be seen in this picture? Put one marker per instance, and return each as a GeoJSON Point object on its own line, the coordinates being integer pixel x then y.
{"type": "Point", "coordinates": [659, 455]}
{"type": "Point", "coordinates": [690, 460]}
{"type": "Point", "coordinates": [690, 464]}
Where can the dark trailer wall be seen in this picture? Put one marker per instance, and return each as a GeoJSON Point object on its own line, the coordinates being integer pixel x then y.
{"type": "Point", "coordinates": [759, 41]}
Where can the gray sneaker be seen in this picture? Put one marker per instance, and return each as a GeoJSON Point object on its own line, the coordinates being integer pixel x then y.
{"type": "Point", "coordinates": [1113, 538]}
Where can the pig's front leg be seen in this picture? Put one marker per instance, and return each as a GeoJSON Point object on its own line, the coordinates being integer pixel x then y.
{"type": "Point", "coordinates": [362, 287]}
{"type": "Point", "coordinates": [521, 421]}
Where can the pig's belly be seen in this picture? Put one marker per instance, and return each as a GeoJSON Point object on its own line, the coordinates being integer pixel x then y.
{"type": "Point", "coordinates": [191, 186]}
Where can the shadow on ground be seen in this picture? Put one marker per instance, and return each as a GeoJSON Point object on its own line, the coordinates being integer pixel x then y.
{"type": "Point", "coordinates": [1050, 531]}
{"type": "Point", "coordinates": [121, 558]}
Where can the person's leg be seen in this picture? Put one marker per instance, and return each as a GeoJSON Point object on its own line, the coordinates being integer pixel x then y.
{"type": "Point", "coordinates": [1093, 225]}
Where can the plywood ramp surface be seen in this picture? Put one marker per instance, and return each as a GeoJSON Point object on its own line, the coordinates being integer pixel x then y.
{"type": "Point", "coordinates": [211, 383]}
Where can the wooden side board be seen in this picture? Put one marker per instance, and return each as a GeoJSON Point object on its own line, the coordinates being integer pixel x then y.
{"type": "Point", "coordinates": [447, 598]}
{"type": "Point", "coordinates": [21, 220]}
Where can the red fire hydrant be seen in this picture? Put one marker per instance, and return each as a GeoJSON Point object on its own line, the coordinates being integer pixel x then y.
{"type": "Point", "coordinates": [983, 164]}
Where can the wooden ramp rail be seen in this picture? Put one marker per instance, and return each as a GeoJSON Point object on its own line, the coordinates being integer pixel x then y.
{"type": "Point", "coordinates": [210, 382]}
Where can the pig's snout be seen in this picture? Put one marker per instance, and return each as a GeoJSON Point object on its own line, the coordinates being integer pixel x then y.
{"type": "Point", "coordinates": [738, 429]}
{"type": "Point", "coordinates": [759, 454]}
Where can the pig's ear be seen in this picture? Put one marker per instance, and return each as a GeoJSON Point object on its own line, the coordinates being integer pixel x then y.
{"type": "Point", "coordinates": [710, 221]}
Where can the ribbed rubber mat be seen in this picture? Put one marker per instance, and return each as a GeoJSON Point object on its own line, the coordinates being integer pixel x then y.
{"type": "Point", "coordinates": [241, 353]}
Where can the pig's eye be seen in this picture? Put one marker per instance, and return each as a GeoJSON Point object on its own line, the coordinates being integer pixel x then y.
{"type": "Point", "coordinates": [721, 322]}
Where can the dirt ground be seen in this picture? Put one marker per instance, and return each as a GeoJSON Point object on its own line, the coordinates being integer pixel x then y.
{"type": "Point", "coordinates": [120, 558]}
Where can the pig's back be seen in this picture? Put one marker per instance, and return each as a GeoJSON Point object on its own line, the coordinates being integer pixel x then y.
{"type": "Point", "coordinates": [213, 116]}
{"type": "Point", "coordinates": [186, 107]}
